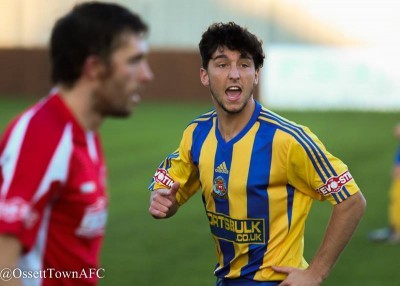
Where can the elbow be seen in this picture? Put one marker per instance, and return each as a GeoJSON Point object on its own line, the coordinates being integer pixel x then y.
{"type": "Point", "coordinates": [360, 204]}
{"type": "Point", "coordinates": [363, 202]}
{"type": "Point", "coordinates": [355, 206]}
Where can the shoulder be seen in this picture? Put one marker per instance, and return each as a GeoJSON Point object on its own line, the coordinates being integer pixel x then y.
{"type": "Point", "coordinates": [291, 129]}
{"type": "Point", "coordinates": [291, 134]}
{"type": "Point", "coordinates": [204, 121]}
{"type": "Point", "coordinates": [39, 126]}
{"type": "Point", "coordinates": [198, 128]}
{"type": "Point", "coordinates": [204, 118]}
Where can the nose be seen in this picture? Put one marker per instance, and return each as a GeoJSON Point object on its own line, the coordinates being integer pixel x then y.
{"type": "Point", "coordinates": [234, 73]}
{"type": "Point", "coordinates": [147, 74]}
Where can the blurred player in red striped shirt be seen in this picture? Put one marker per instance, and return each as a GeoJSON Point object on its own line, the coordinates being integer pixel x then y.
{"type": "Point", "coordinates": [53, 200]}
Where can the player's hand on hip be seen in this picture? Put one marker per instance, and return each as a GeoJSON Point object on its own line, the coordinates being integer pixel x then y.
{"type": "Point", "coordinates": [298, 277]}
{"type": "Point", "coordinates": [163, 202]}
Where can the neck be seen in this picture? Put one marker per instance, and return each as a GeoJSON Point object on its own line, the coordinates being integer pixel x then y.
{"type": "Point", "coordinates": [79, 99]}
{"type": "Point", "coordinates": [230, 124]}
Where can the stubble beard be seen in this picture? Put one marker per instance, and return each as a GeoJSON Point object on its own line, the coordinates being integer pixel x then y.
{"type": "Point", "coordinates": [113, 109]}
{"type": "Point", "coordinates": [109, 106]}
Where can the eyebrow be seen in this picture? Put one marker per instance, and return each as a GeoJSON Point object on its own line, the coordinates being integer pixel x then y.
{"type": "Point", "coordinates": [246, 56]}
{"type": "Point", "coordinates": [223, 56]}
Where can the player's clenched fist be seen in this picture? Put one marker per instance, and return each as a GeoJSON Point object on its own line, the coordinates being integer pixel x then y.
{"type": "Point", "coordinates": [163, 202]}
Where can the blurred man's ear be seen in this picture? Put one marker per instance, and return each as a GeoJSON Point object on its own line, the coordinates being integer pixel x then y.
{"type": "Point", "coordinates": [94, 68]}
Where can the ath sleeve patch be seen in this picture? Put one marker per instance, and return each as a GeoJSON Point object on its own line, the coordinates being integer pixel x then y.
{"type": "Point", "coordinates": [162, 177]}
{"type": "Point", "coordinates": [335, 184]}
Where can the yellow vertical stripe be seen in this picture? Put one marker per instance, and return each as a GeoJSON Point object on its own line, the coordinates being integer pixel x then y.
{"type": "Point", "coordinates": [280, 235]}
{"type": "Point", "coordinates": [308, 143]}
{"type": "Point", "coordinates": [277, 200]}
{"type": "Point", "coordinates": [277, 193]}
{"type": "Point", "coordinates": [394, 206]}
{"type": "Point", "coordinates": [206, 165]}
{"type": "Point", "coordinates": [237, 192]}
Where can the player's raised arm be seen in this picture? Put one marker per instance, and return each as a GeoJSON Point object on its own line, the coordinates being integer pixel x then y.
{"type": "Point", "coordinates": [163, 203]}
{"type": "Point", "coordinates": [175, 180]}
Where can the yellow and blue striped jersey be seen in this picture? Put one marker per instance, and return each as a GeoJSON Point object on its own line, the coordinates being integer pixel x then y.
{"type": "Point", "coordinates": [257, 189]}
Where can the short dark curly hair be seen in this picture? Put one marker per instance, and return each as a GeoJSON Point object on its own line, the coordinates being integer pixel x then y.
{"type": "Point", "coordinates": [235, 38]}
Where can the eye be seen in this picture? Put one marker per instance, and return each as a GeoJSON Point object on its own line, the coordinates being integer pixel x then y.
{"type": "Point", "coordinates": [222, 65]}
{"type": "Point", "coordinates": [245, 64]}
{"type": "Point", "coordinates": [136, 59]}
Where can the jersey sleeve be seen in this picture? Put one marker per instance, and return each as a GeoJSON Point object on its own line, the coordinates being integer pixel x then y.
{"type": "Point", "coordinates": [26, 154]}
{"type": "Point", "coordinates": [179, 167]}
{"type": "Point", "coordinates": [317, 173]}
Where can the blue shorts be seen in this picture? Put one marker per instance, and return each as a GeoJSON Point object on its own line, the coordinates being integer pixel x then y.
{"type": "Point", "coordinates": [244, 282]}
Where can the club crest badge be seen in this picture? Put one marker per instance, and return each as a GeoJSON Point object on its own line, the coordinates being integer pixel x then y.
{"type": "Point", "coordinates": [219, 188]}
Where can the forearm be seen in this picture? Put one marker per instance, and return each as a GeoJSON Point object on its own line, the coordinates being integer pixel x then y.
{"type": "Point", "coordinates": [343, 222]}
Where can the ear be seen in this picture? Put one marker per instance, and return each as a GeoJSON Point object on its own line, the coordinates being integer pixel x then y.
{"type": "Point", "coordinates": [256, 76]}
{"type": "Point", "coordinates": [205, 80]}
{"type": "Point", "coordinates": [93, 68]}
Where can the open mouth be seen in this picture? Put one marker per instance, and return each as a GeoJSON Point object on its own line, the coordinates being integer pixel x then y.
{"type": "Point", "coordinates": [233, 92]}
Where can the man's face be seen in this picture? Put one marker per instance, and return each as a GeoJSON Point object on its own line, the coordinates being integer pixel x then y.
{"type": "Point", "coordinates": [127, 73]}
{"type": "Point", "coordinates": [231, 77]}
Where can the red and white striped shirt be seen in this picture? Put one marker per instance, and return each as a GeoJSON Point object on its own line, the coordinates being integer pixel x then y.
{"type": "Point", "coordinates": [52, 193]}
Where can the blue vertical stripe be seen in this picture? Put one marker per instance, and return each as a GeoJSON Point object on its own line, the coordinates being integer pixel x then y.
{"type": "Point", "coordinates": [200, 134]}
{"type": "Point", "coordinates": [257, 194]}
{"type": "Point", "coordinates": [290, 197]}
{"type": "Point", "coordinates": [224, 154]}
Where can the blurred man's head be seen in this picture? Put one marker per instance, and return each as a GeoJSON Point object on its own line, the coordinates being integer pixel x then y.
{"type": "Point", "coordinates": [104, 45]}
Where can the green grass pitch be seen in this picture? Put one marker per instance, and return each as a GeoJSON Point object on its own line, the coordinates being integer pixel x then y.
{"type": "Point", "coordinates": [139, 250]}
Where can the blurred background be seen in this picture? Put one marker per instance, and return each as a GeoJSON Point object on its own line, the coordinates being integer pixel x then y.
{"type": "Point", "coordinates": [320, 54]}
{"type": "Point", "coordinates": [331, 65]}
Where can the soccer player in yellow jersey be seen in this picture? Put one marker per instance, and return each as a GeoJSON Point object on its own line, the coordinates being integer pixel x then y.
{"type": "Point", "coordinates": [258, 172]}
{"type": "Point", "coordinates": [391, 234]}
